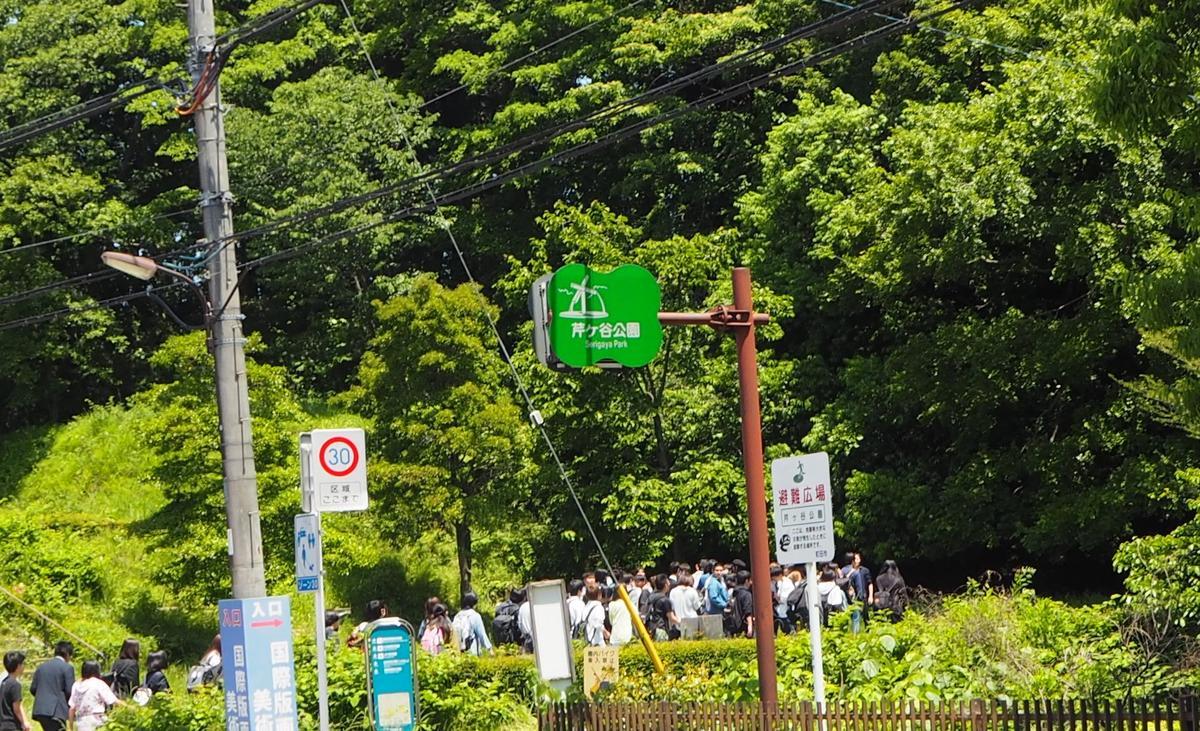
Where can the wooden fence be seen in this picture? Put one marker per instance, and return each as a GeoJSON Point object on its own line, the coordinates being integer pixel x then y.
{"type": "Point", "coordinates": [1167, 714]}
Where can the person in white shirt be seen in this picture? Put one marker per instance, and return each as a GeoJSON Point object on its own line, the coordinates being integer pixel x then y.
{"type": "Point", "coordinates": [593, 619]}
{"type": "Point", "coordinates": [832, 596]}
{"type": "Point", "coordinates": [575, 605]}
{"type": "Point", "coordinates": [783, 588]}
{"type": "Point", "coordinates": [525, 623]}
{"type": "Point", "coordinates": [90, 699]}
{"type": "Point", "coordinates": [621, 622]}
{"type": "Point", "coordinates": [684, 599]}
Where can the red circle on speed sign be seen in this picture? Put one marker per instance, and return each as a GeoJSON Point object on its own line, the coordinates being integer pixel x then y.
{"type": "Point", "coordinates": [342, 461]}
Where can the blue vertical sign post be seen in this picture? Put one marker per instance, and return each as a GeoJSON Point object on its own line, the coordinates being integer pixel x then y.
{"type": "Point", "coordinates": [257, 662]}
{"type": "Point", "coordinates": [392, 675]}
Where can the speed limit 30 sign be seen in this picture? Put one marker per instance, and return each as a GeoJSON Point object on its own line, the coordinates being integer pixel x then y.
{"type": "Point", "coordinates": [339, 470]}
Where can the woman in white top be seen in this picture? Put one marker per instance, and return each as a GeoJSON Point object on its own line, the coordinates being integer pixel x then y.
{"type": "Point", "coordinates": [621, 622]}
{"type": "Point", "coordinates": [90, 699]}
{"type": "Point", "coordinates": [593, 619]}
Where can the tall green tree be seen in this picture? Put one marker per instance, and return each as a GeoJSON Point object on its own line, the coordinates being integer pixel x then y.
{"type": "Point", "coordinates": [456, 448]}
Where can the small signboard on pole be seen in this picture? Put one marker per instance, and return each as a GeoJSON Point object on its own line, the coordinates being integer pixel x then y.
{"type": "Point", "coordinates": [338, 470]}
{"type": "Point", "coordinates": [803, 509]}
{"type": "Point", "coordinates": [308, 552]}
{"type": "Point", "coordinates": [392, 675]}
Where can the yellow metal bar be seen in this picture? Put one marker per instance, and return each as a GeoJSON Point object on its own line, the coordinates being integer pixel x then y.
{"type": "Point", "coordinates": [647, 642]}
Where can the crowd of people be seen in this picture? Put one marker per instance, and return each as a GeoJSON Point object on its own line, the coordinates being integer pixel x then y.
{"type": "Point", "coordinates": [59, 700]}
{"type": "Point", "coordinates": [679, 602]}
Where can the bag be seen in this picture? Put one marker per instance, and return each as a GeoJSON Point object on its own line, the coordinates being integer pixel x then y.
{"type": "Point", "coordinates": [432, 640]}
{"type": "Point", "coordinates": [735, 623]}
{"type": "Point", "coordinates": [797, 604]}
{"type": "Point", "coordinates": [462, 628]}
{"type": "Point", "coordinates": [504, 627]}
{"type": "Point", "coordinates": [200, 675]}
{"type": "Point", "coordinates": [142, 696]}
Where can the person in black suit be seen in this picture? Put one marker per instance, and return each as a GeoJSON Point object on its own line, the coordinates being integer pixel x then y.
{"type": "Point", "coordinates": [51, 688]}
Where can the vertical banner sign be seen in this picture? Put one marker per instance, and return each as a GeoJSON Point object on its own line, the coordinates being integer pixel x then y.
{"type": "Point", "coordinates": [308, 553]}
{"type": "Point", "coordinates": [803, 509]}
{"type": "Point", "coordinates": [604, 317]}
{"type": "Point", "coordinates": [338, 470]}
{"type": "Point", "coordinates": [392, 675]}
{"type": "Point", "coordinates": [257, 663]}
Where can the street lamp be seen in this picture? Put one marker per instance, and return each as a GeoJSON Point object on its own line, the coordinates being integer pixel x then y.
{"type": "Point", "coordinates": [145, 269]}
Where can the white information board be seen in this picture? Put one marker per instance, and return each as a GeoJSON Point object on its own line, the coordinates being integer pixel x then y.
{"type": "Point", "coordinates": [803, 501]}
{"type": "Point", "coordinates": [338, 470]}
{"type": "Point", "coordinates": [551, 631]}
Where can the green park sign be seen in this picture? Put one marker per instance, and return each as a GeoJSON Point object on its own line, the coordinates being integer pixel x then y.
{"type": "Point", "coordinates": [604, 317]}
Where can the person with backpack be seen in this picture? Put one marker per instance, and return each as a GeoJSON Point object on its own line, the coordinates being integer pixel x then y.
{"type": "Point", "coordinates": [437, 632]}
{"type": "Point", "coordinates": [833, 599]}
{"type": "Point", "coordinates": [504, 623]}
{"type": "Point", "coordinates": [12, 710]}
{"type": "Point", "coordinates": [660, 619]}
{"type": "Point", "coordinates": [125, 672]}
{"type": "Point", "coordinates": [717, 592]}
{"type": "Point", "coordinates": [468, 627]}
{"type": "Point", "coordinates": [797, 600]}
{"type": "Point", "coordinates": [156, 673]}
{"type": "Point", "coordinates": [208, 670]}
{"type": "Point", "coordinates": [593, 630]}
{"type": "Point", "coordinates": [739, 613]}
{"type": "Point", "coordinates": [891, 595]}
{"type": "Point", "coordinates": [781, 588]}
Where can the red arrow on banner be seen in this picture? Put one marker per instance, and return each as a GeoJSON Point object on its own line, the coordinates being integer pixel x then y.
{"type": "Point", "coordinates": [276, 623]}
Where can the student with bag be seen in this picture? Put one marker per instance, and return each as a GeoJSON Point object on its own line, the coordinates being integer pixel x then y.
{"type": "Point", "coordinates": [125, 672]}
{"type": "Point", "coordinates": [12, 710]}
{"type": "Point", "coordinates": [437, 631]}
{"type": "Point", "coordinates": [208, 670]}
{"type": "Point", "coordinates": [468, 628]}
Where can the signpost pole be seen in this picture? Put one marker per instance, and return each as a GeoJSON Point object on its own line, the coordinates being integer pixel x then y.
{"type": "Point", "coordinates": [322, 668]}
{"type": "Point", "coordinates": [752, 454]}
{"type": "Point", "coordinates": [307, 501]}
{"type": "Point", "coordinates": [814, 636]}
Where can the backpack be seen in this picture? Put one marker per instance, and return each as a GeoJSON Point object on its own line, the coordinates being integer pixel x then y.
{"type": "Point", "coordinates": [735, 622]}
{"type": "Point", "coordinates": [504, 627]}
{"type": "Point", "coordinates": [579, 631]}
{"type": "Point", "coordinates": [199, 675]}
{"type": "Point", "coordinates": [462, 628]}
{"type": "Point", "coordinates": [797, 603]}
{"type": "Point", "coordinates": [432, 639]}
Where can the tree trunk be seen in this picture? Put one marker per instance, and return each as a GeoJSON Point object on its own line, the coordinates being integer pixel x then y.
{"type": "Point", "coordinates": [462, 535]}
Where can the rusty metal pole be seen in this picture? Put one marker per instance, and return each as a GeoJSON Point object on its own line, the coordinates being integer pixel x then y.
{"type": "Point", "coordinates": [756, 498]}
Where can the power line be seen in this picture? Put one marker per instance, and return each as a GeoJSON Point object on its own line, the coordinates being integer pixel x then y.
{"type": "Point", "coordinates": [102, 304]}
{"type": "Point", "coordinates": [92, 232]}
{"type": "Point", "coordinates": [537, 51]}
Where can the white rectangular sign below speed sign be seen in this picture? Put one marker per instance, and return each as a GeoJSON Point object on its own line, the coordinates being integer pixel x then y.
{"type": "Point", "coordinates": [338, 470]}
{"type": "Point", "coordinates": [803, 509]}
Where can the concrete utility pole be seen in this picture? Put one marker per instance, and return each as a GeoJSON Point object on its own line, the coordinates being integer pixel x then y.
{"type": "Point", "coordinates": [226, 340]}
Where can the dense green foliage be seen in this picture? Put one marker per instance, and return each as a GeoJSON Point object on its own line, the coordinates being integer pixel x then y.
{"type": "Point", "coordinates": [977, 243]}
